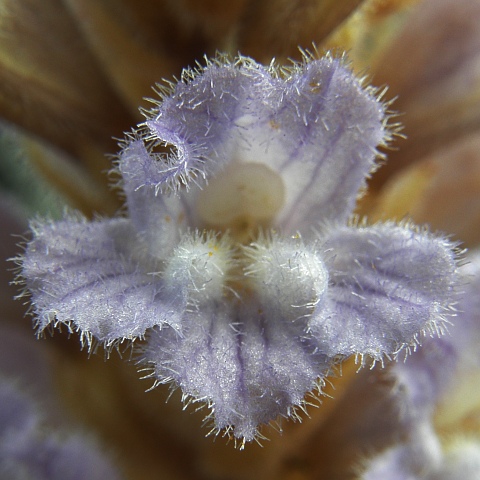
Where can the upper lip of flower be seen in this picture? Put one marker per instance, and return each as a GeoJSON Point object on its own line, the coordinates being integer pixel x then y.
{"type": "Point", "coordinates": [252, 315]}
{"type": "Point", "coordinates": [316, 118]}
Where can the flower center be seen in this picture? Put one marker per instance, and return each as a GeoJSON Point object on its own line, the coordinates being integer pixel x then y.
{"type": "Point", "coordinates": [240, 199]}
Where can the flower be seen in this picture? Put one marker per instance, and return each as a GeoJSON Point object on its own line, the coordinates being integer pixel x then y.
{"type": "Point", "coordinates": [432, 376]}
{"type": "Point", "coordinates": [236, 260]}
{"type": "Point", "coordinates": [30, 450]}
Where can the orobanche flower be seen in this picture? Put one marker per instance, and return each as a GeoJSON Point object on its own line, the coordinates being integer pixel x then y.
{"type": "Point", "coordinates": [436, 375]}
{"type": "Point", "coordinates": [237, 264]}
{"type": "Point", "coordinates": [31, 448]}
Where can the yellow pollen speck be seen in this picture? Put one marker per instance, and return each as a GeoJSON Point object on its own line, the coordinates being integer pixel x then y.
{"type": "Point", "coordinates": [315, 86]}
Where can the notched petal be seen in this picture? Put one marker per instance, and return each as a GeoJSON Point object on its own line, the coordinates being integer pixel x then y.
{"type": "Point", "coordinates": [247, 365]}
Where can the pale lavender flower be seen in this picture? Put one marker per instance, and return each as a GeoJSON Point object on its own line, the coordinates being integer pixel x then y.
{"type": "Point", "coordinates": [237, 261]}
{"type": "Point", "coordinates": [425, 379]}
{"type": "Point", "coordinates": [413, 460]}
{"type": "Point", "coordinates": [422, 458]}
{"type": "Point", "coordinates": [29, 449]}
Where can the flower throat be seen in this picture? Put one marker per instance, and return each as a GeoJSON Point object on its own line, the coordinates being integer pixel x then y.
{"type": "Point", "coordinates": [242, 199]}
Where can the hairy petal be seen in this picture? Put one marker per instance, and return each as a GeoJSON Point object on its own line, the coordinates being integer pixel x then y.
{"type": "Point", "coordinates": [314, 126]}
{"type": "Point", "coordinates": [83, 274]}
{"type": "Point", "coordinates": [158, 219]}
{"type": "Point", "coordinates": [388, 284]}
{"type": "Point", "coordinates": [198, 119]}
{"type": "Point", "coordinates": [247, 366]}
{"type": "Point", "coordinates": [430, 377]}
{"type": "Point", "coordinates": [434, 373]}
{"type": "Point", "coordinates": [328, 128]}
{"type": "Point", "coordinates": [457, 385]}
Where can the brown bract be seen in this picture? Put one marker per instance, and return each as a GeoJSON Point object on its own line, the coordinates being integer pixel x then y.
{"type": "Point", "coordinates": [433, 68]}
